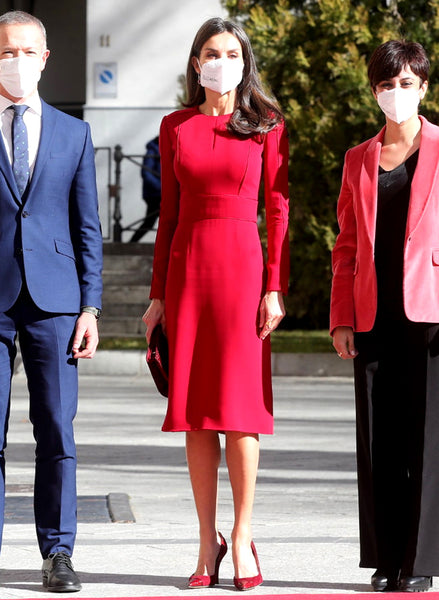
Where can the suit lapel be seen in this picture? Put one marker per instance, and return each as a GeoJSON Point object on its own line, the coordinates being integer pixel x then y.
{"type": "Point", "coordinates": [6, 169]}
{"type": "Point", "coordinates": [48, 122]}
{"type": "Point", "coordinates": [368, 185]}
{"type": "Point", "coordinates": [425, 175]}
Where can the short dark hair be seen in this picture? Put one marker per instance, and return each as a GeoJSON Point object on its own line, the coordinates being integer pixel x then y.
{"type": "Point", "coordinates": [19, 17]}
{"type": "Point", "coordinates": [256, 111]}
{"type": "Point", "coordinates": [389, 59]}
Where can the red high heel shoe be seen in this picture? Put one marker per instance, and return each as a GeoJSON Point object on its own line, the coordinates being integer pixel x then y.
{"type": "Point", "coordinates": [247, 583]}
{"type": "Point", "coordinates": [200, 581]}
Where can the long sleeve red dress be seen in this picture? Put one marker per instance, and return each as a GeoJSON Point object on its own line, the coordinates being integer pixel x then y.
{"type": "Point", "coordinates": [210, 270]}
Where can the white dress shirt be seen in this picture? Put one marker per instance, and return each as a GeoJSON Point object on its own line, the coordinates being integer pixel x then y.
{"type": "Point", "coordinates": [32, 120]}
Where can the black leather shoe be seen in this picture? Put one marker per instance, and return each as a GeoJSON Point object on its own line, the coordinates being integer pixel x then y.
{"type": "Point", "coordinates": [384, 582]}
{"type": "Point", "coordinates": [412, 583]}
{"type": "Point", "coordinates": [58, 574]}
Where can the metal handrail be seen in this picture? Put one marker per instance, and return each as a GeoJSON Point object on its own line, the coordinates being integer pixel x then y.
{"type": "Point", "coordinates": [118, 157]}
{"type": "Point", "coordinates": [114, 189]}
{"type": "Point", "coordinates": [108, 150]}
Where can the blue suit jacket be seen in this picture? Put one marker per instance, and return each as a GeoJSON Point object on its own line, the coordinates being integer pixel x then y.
{"type": "Point", "coordinates": [52, 236]}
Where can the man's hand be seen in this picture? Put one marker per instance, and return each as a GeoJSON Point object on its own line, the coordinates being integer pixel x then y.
{"type": "Point", "coordinates": [86, 332]}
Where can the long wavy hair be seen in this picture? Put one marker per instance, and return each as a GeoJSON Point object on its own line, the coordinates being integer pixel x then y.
{"type": "Point", "coordinates": [255, 111]}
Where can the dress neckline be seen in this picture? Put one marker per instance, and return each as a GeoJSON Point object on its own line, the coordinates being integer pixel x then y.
{"type": "Point", "coordinates": [224, 116]}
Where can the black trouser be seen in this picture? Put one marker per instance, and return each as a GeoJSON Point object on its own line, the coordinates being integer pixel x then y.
{"type": "Point", "coordinates": [397, 401]}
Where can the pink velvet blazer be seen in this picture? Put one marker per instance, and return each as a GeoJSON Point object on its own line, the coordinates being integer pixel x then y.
{"type": "Point", "coordinates": [354, 284]}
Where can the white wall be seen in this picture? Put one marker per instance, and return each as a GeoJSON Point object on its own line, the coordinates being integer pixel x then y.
{"type": "Point", "coordinates": [148, 43]}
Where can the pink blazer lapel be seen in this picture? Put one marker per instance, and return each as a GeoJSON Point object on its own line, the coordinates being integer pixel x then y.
{"type": "Point", "coordinates": [368, 183]}
{"type": "Point", "coordinates": [425, 174]}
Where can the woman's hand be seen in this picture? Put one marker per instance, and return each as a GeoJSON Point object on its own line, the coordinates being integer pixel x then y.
{"type": "Point", "coordinates": [155, 313]}
{"type": "Point", "coordinates": [343, 342]}
{"type": "Point", "coordinates": [271, 313]}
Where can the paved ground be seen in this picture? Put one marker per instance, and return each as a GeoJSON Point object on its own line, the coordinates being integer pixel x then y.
{"type": "Point", "coordinates": [305, 520]}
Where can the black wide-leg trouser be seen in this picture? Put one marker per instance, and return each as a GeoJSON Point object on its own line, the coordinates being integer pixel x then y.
{"type": "Point", "coordinates": [397, 413]}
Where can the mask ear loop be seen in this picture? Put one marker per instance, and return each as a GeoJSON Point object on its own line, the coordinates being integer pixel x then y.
{"type": "Point", "coordinates": [199, 74]}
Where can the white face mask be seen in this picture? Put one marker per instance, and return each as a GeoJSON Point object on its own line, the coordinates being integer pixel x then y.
{"type": "Point", "coordinates": [399, 104]}
{"type": "Point", "coordinates": [221, 75]}
{"type": "Point", "coordinates": [20, 76]}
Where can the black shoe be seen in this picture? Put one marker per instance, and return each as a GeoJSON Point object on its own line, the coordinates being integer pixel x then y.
{"type": "Point", "coordinates": [412, 583]}
{"type": "Point", "coordinates": [58, 574]}
{"type": "Point", "coordinates": [384, 582]}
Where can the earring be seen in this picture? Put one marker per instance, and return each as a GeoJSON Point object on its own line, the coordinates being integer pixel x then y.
{"type": "Point", "coordinates": [199, 79]}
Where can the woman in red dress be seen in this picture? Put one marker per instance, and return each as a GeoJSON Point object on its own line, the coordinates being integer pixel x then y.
{"type": "Point", "coordinates": [216, 297]}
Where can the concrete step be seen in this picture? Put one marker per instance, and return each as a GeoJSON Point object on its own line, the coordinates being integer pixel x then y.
{"type": "Point", "coordinates": [126, 276]}
{"type": "Point", "coordinates": [121, 327]}
{"type": "Point", "coordinates": [121, 249]}
{"type": "Point", "coordinates": [126, 294]}
{"type": "Point", "coordinates": [127, 263]}
{"type": "Point", "coordinates": [125, 311]}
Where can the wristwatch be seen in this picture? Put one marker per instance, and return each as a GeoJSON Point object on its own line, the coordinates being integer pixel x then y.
{"type": "Point", "coordinates": [92, 310]}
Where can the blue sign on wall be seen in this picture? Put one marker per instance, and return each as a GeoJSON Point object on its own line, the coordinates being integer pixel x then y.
{"type": "Point", "coordinates": [105, 80]}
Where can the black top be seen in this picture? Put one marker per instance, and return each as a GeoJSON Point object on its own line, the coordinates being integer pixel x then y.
{"type": "Point", "coordinates": [393, 202]}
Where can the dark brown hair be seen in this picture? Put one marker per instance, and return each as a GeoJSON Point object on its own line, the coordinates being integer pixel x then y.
{"type": "Point", "coordinates": [255, 111]}
{"type": "Point", "coordinates": [389, 59]}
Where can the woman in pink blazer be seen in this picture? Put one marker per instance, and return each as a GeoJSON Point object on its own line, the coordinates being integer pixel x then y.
{"type": "Point", "coordinates": [385, 315]}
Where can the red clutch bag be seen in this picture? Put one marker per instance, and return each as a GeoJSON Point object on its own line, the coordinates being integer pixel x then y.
{"type": "Point", "coordinates": [157, 359]}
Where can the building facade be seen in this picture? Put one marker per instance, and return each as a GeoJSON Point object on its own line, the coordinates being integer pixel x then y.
{"type": "Point", "coordinates": [137, 51]}
{"type": "Point", "coordinates": [117, 65]}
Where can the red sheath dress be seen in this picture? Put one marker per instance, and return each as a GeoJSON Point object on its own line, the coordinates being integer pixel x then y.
{"type": "Point", "coordinates": [209, 268]}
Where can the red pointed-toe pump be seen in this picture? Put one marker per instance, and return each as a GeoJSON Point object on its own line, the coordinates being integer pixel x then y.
{"type": "Point", "coordinates": [201, 581]}
{"type": "Point", "coordinates": [247, 583]}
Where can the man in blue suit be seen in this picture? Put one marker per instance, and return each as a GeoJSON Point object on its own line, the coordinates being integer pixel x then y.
{"type": "Point", "coordinates": [50, 280]}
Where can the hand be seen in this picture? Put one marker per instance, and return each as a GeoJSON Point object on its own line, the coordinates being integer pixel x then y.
{"type": "Point", "coordinates": [271, 313]}
{"type": "Point", "coordinates": [86, 330]}
{"type": "Point", "coordinates": [155, 313]}
{"type": "Point", "coordinates": [343, 342]}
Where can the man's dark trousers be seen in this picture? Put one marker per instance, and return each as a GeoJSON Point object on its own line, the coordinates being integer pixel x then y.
{"type": "Point", "coordinates": [45, 343]}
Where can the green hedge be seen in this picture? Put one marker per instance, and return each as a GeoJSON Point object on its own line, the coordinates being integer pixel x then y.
{"type": "Point", "coordinates": [281, 341]}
